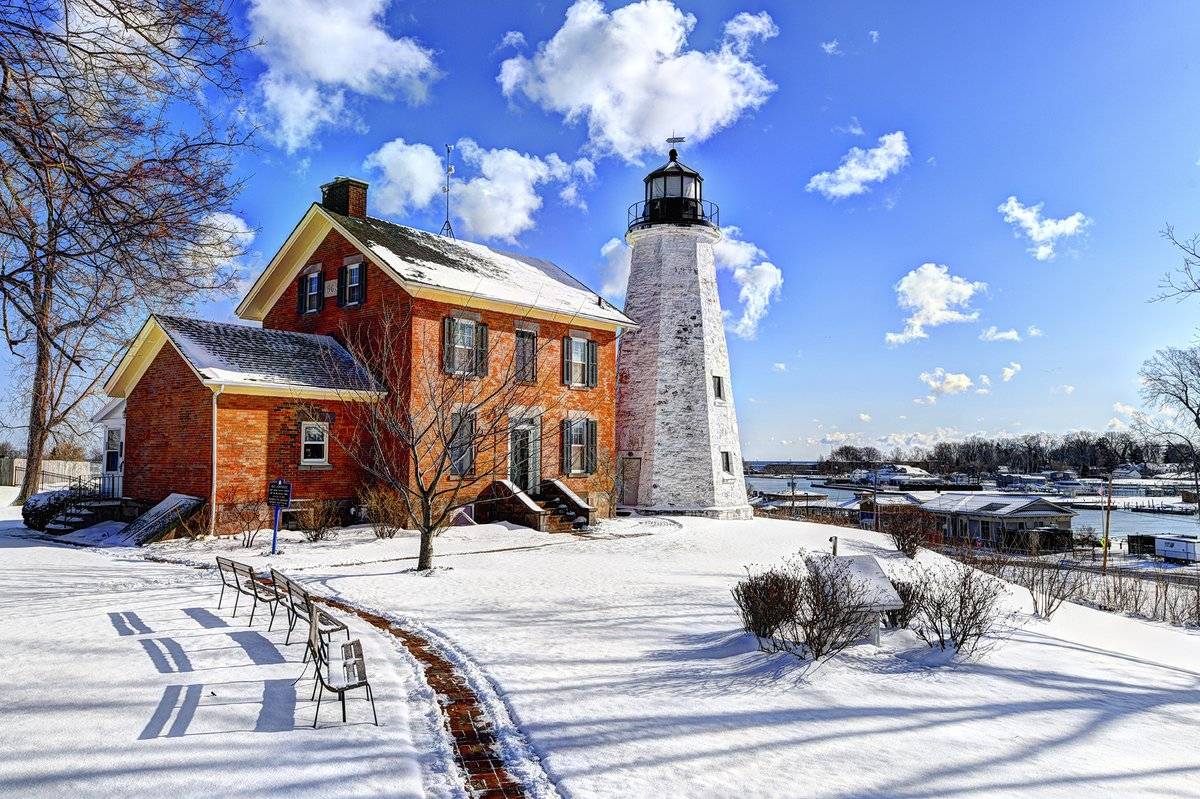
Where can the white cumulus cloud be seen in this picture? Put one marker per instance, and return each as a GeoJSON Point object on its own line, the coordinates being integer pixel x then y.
{"type": "Point", "coordinates": [831, 47]}
{"type": "Point", "coordinates": [615, 271]}
{"type": "Point", "coordinates": [1010, 371]}
{"type": "Point", "coordinates": [946, 383]}
{"type": "Point", "coordinates": [1124, 409]}
{"type": "Point", "coordinates": [994, 333]}
{"type": "Point", "coordinates": [318, 51]}
{"type": "Point", "coordinates": [411, 176]}
{"type": "Point", "coordinates": [1042, 232]}
{"type": "Point", "coordinates": [1033, 331]}
{"type": "Point", "coordinates": [935, 297]}
{"type": "Point", "coordinates": [629, 75]}
{"type": "Point", "coordinates": [1063, 389]}
{"type": "Point", "coordinates": [860, 167]}
{"type": "Point", "coordinates": [779, 367]}
{"type": "Point", "coordinates": [864, 417]}
{"type": "Point", "coordinates": [759, 281]}
{"type": "Point", "coordinates": [874, 35]}
{"type": "Point", "coordinates": [1117, 425]}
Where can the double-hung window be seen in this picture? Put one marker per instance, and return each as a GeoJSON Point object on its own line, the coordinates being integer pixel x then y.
{"type": "Point", "coordinates": [579, 361]}
{"type": "Point", "coordinates": [314, 444]}
{"type": "Point", "coordinates": [526, 356]}
{"type": "Point", "coordinates": [112, 450]}
{"type": "Point", "coordinates": [462, 345]}
{"type": "Point", "coordinates": [311, 288]}
{"type": "Point", "coordinates": [354, 284]}
{"type": "Point", "coordinates": [462, 444]}
{"type": "Point", "coordinates": [579, 446]}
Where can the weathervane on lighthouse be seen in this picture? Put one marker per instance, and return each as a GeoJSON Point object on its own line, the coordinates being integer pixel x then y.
{"type": "Point", "coordinates": [677, 431]}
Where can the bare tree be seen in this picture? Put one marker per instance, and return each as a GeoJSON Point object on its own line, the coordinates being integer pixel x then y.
{"type": "Point", "coordinates": [910, 527]}
{"type": "Point", "coordinates": [438, 434]}
{"type": "Point", "coordinates": [110, 203]}
{"type": "Point", "coordinates": [1184, 281]}
{"type": "Point", "coordinates": [1176, 433]}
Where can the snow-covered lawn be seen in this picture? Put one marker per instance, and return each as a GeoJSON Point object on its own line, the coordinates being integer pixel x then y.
{"type": "Point", "coordinates": [119, 677]}
{"type": "Point", "coordinates": [620, 657]}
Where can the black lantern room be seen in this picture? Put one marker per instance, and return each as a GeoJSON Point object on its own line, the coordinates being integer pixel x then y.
{"type": "Point", "coordinates": [674, 196]}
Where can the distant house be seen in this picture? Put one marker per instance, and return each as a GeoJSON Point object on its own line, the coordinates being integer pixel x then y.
{"type": "Point", "coordinates": [1007, 521]}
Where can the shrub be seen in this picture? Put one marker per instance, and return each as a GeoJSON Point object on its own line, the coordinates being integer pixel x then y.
{"type": "Point", "coordinates": [957, 606]}
{"type": "Point", "coordinates": [910, 527]}
{"type": "Point", "coordinates": [908, 595]}
{"type": "Point", "coordinates": [1049, 585]}
{"type": "Point", "coordinates": [318, 518]}
{"type": "Point", "coordinates": [385, 510]}
{"type": "Point", "coordinates": [193, 526]}
{"type": "Point", "coordinates": [40, 508]}
{"type": "Point", "coordinates": [768, 601]}
{"type": "Point", "coordinates": [245, 515]}
{"type": "Point", "coordinates": [812, 607]}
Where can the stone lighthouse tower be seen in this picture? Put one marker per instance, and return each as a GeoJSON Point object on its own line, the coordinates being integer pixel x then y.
{"type": "Point", "coordinates": [677, 432]}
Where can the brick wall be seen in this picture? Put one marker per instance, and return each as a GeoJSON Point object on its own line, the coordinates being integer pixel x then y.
{"type": "Point", "coordinates": [422, 348]}
{"type": "Point", "coordinates": [258, 439]}
{"type": "Point", "coordinates": [168, 426]}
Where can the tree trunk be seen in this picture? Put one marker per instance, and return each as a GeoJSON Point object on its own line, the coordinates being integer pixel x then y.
{"type": "Point", "coordinates": [425, 555]}
{"type": "Point", "coordinates": [39, 401]}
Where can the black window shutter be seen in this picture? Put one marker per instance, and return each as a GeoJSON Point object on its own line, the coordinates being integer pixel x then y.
{"type": "Point", "coordinates": [532, 345]}
{"type": "Point", "coordinates": [448, 344]}
{"type": "Point", "coordinates": [341, 295]}
{"type": "Point", "coordinates": [362, 283]}
{"type": "Point", "coordinates": [300, 283]}
{"type": "Point", "coordinates": [590, 449]}
{"type": "Point", "coordinates": [481, 349]}
{"type": "Point", "coordinates": [566, 375]}
{"type": "Point", "coordinates": [593, 373]}
{"type": "Point", "coordinates": [320, 290]}
{"type": "Point", "coordinates": [565, 434]}
{"type": "Point", "coordinates": [469, 436]}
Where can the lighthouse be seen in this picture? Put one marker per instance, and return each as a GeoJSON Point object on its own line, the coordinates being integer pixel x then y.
{"type": "Point", "coordinates": [677, 433]}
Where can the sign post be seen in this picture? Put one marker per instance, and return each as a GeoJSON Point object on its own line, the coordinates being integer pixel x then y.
{"type": "Point", "coordinates": [279, 496]}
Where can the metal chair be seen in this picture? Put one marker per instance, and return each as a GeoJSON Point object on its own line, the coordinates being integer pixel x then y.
{"type": "Point", "coordinates": [248, 584]}
{"type": "Point", "coordinates": [337, 670]}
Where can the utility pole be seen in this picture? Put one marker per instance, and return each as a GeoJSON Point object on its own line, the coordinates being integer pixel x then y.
{"type": "Point", "coordinates": [1107, 527]}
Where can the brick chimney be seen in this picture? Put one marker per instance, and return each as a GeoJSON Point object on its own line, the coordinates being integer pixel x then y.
{"type": "Point", "coordinates": [347, 196]}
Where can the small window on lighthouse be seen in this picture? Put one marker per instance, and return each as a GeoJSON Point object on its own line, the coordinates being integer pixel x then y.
{"type": "Point", "coordinates": [727, 462]}
{"type": "Point", "coordinates": [718, 387]}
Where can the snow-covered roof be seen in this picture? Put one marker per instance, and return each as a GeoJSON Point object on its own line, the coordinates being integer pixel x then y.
{"type": "Point", "coordinates": [866, 569]}
{"type": "Point", "coordinates": [422, 258]}
{"type": "Point", "coordinates": [978, 502]}
{"type": "Point", "coordinates": [242, 355]}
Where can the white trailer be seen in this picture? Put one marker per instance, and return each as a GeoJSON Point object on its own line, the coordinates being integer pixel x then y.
{"type": "Point", "coordinates": [1178, 548]}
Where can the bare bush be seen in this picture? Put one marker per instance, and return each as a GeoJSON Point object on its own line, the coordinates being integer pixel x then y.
{"type": "Point", "coordinates": [910, 528]}
{"type": "Point", "coordinates": [811, 607]}
{"type": "Point", "coordinates": [318, 518]}
{"type": "Point", "coordinates": [1049, 585]}
{"type": "Point", "coordinates": [385, 510]}
{"type": "Point", "coordinates": [244, 514]}
{"type": "Point", "coordinates": [909, 593]}
{"type": "Point", "coordinates": [957, 607]}
{"type": "Point", "coordinates": [767, 601]}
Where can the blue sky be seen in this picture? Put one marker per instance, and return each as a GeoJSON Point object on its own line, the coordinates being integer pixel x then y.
{"type": "Point", "coordinates": [1082, 107]}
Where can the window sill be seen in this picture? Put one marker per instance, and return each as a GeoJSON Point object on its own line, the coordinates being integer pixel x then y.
{"type": "Point", "coordinates": [316, 467]}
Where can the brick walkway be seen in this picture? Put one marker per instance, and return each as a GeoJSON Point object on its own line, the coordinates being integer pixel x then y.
{"type": "Point", "coordinates": [475, 747]}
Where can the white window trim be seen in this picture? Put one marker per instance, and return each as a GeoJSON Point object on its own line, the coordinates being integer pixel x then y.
{"type": "Point", "coordinates": [470, 368]}
{"type": "Point", "coordinates": [324, 427]}
{"type": "Point", "coordinates": [312, 300]}
{"type": "Point", "coordinates": [356, 269]}
{"type": "Point", "coordinates": [582, 383]}
{"type": "Point", "coordinates": [580, 425]}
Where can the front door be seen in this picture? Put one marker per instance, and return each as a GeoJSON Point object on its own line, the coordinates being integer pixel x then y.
{"type": "Point", "coordinates": [523, 457]}
{"type": "Point", "coordinates": [631, 473]}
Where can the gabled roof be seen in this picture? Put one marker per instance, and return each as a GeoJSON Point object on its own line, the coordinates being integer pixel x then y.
{"type": "Point", "coordinates": [427, 265]}
{"type": "Point", "coordinates": [246, 360]}
{"type": "Point", "coordinates": [996, 505]}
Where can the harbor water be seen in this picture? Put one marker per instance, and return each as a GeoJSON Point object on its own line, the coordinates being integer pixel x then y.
{"type": "Point", "coordinates": [1124, 522]}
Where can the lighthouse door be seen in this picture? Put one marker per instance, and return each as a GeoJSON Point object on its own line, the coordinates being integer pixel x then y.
{"type": "Point", "coordinates": [631, 473]}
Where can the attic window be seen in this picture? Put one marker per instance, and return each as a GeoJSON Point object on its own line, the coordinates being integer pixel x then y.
{"type": "Point", "coordinates": [312, 292]}
{"type": "Point", "coordinates": [354, 284]}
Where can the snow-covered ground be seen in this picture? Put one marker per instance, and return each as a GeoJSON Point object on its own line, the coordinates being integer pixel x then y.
{"type": "Point", "coordinates": [621, 658]}
{"type": "Point", "coordinates": [120, 678]}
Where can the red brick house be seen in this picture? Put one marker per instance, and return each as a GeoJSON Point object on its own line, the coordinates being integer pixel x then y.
{"type": "Point", "coordinates": [214, 410]}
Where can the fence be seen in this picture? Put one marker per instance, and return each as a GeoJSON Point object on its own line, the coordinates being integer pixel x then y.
{"type": "Point", "coordinates": [92, 486]}
{"type": "Point", "coordinates": [12, 470]}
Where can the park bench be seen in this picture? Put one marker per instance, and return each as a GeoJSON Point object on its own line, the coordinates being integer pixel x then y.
{"type": "Point", "coordinates": [240, 577]}
{"type": "Point", "coordinates": [340, 668]}
{"type": "Point", "coordinates": [299, 605]}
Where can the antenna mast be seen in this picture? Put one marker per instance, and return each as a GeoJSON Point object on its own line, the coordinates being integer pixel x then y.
{"type": "Point", "coordinates": [447, 230]}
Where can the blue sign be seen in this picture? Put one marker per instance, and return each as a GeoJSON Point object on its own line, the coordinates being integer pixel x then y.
{"type": "Point", "coordinates": [279, 496]}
